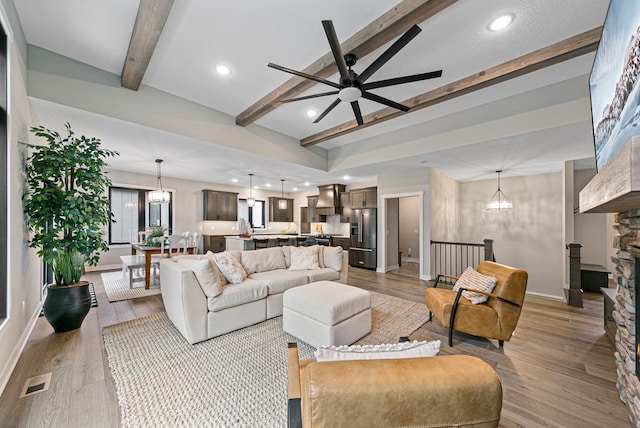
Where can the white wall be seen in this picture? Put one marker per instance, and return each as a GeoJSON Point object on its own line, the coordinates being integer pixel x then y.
{"type": "Point", "coordinates": [24, 268]}
{"type": "Point", "coordinates": [530, 236]}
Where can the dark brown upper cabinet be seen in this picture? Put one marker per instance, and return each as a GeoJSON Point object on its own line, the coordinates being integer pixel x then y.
{"type": "Point", "coordinates": [220, 206]}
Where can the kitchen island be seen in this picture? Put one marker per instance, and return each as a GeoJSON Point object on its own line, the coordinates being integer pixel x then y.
{"type": "Point", "coordinates": [235, 242]}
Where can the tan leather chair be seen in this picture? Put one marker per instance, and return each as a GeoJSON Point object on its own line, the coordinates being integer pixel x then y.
{"type": "Point", "coordinates": [442, 391]}
{"type": "Point", "coordinates": [495, 319]}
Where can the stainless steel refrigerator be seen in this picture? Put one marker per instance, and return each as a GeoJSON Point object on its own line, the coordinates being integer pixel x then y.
{"type": "Point", "coordinates": [362, 252]}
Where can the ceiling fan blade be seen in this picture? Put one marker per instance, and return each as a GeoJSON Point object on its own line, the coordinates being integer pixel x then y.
{"type": "Point", "coordinates": [307, 97]}
{"type": "Point", "coordinates": [385, 101]}
{"type": "Point", "coordinates": [356, 110]}
{"type": "Point", "coordinates": [401, 80]}
{"type": "Point", "coordinates": [337, 50]}
{"type": "Point", "coordinates": [324, 113]}
{"type": "Point", "coordinates": [305, 75]}
{"type": "Point", "coordinates": [389, 53]}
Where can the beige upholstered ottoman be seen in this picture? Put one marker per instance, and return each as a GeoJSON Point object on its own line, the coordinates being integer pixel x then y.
{"type": "Point", "coordinates": [326, 313]}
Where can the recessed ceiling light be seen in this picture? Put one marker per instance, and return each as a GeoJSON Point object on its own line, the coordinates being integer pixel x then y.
{"type": "Point", "coordinates": [235, 180]}
{"type": "Point", "coordinates": [295, 189]}
{"type": "Point", "coordinates": [501, 22]}
{"type": "Point", "coordinates": [306, 183]}
{"type": "Point", "coordinates": [346, 177]}
{"type": "Point", "coordinates": [223, 69]}
{"type": "Point", "coordinates": [268, 185]}
{"type": "Point", "coordinates": [311, 113]}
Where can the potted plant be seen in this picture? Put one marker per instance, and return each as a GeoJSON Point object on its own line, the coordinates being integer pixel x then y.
{"type": "Point", "coordinates": [67, 207]}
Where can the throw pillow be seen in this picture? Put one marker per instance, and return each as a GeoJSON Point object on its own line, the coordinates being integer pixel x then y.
{"type": "Point", "coordinates": [206, 274]}
{"type": "Point", "coordinates": [332, 258]}
{"type": "Point", "coordinates": [230, 267]}
{"type": "Point", "coordinates": [304, 258]}
{"type": "Point", "coordinates": [472, 279]}
{"type": "Point", "coordinates": [413, 349]}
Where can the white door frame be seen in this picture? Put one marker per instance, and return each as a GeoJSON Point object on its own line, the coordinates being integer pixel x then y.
{"type": "Point", "coordinates": [383, 236]}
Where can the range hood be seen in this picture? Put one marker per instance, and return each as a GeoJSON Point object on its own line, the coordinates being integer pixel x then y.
{"type": "Point", "coordinates": [329, 199]}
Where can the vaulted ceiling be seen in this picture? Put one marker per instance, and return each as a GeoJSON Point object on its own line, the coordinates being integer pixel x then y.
{"type": "Point", "coordinates": [515, 100]}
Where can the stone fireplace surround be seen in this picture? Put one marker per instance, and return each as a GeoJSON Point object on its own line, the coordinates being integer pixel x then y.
{"type": "Point", "coordinates": [616, 189]}
{"type": "Point", "coordinates": [627, 244]}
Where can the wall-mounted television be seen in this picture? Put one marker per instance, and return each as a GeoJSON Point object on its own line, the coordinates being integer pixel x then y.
{"type": "Point", "coordinates": [614, 83]}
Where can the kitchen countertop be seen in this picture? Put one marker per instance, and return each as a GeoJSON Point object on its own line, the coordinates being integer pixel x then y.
{"type": "Point", "coordinates": [269, 236]}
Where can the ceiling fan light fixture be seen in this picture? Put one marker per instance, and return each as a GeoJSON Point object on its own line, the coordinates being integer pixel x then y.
{"type": "Point", "coordinates": [349, 94]}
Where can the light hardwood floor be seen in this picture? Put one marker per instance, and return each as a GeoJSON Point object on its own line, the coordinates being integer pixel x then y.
{"type": "Point", "coordinates": [557, 371]}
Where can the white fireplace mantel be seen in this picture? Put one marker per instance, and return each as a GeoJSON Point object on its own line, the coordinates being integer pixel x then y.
{"type": "Point", "coordinates": [616, 188]}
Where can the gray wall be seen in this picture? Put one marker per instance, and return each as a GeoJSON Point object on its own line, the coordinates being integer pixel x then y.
{"type": "Point", "coordinates": [590, 230]}
{"type": "Point", "coordinates": [24, 268]}
{"type": "Point", "coordinates": [409, 238]}
{"type": "Point", "coordinates": [530, 236]}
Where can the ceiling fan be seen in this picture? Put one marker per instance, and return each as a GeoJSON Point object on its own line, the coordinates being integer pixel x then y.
{"type": "Point", "coordinates": [352, 86]}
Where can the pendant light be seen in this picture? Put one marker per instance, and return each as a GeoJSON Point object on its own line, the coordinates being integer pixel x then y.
{"type": "Point", "coordinates": [251, 201]}
{"type": "Point", "coordinates": [282, 203]}
{"type": "Point", "coordinates": [159, 196]}
{"type": "Point", "coordinates": [499, 199]}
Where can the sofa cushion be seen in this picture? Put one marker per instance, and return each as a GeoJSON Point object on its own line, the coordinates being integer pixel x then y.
{"type": "Point", "coordinates": [277, 281]}
{"type": "Point", "coordinates": [303, 258]}
{"type": "Point", "coordinates": [263, 260]}
{"type": "Point", "coordinates": [413, 349]}
{"type": "Point", "coordinates": [326, 274]}
{"type": "Point", "coordinates": [237, 294]}
{"type": "Point", "coordinates": [230, 266]}
{"type": "Point", "coordinates": [471, 279]}
{"type": "Point", "coordinates": [331, 257]}
{"type": "Point", "coordinates": [286, 251]}
{"type": "Point", "coordinates": [206, 273]}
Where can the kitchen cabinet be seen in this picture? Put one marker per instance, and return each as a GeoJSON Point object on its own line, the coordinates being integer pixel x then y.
{"type": "Point", "coordinates": [312, 216]}
{"type": "Point", "coordinates": [339, 241]}
{"type": "Point", "coordinates": [220, 206]}
{"type": "Point", "coordinates": [345, 202]}
{"type": "Point", "coordinates": [305, 226]}
{"type": "Point", "coordinates": [281, 215]}
{"type": "Point", "coordinates": [213, 243]}
{"type": "Point", "coordinates": [364, 198]}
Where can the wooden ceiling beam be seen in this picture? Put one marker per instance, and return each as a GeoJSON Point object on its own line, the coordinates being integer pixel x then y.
{"type": "Point", "coordinates": [389, 26]}
{"type": "Point", "coordinates": [150, 20]}
{"type": "Point", "coordinates": [550, 55]}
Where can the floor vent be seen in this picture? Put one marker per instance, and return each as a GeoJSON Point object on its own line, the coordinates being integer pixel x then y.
{"type": "Point", "coordinates": [36, 384]}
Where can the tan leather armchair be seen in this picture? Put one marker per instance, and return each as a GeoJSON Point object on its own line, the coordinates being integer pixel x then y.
{"type": "Point", "coordinates": [495, 319]}
{"type": "Point", "coordinates": [442, 391]}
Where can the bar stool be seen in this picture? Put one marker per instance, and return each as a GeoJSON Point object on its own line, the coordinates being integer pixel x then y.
{"type": "Point", "coordinates": [301, 241]}
{"type": "Point", "coordinates": [260, 243]}
{"type": "Point", "coordinates": [282, 241]}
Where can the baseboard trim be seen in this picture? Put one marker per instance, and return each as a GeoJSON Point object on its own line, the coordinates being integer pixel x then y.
{"type": "Point", "coordinates": [7, 370]}
{"type": "Point", "coordinates": [545, 296]}
{"type": "Point", "coordinates": [392, 267]}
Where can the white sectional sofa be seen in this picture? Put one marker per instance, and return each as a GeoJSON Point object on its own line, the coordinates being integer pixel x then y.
{"type": "Point", "coordinates": [199, 314]}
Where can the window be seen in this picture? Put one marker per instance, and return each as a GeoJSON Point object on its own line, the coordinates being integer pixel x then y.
{"type": "Point", "coordinates": [3, 175]}
{"type": "Point", "coordinates": [255, 215]}
{"type": "Point", "coordinates": [133, 213]}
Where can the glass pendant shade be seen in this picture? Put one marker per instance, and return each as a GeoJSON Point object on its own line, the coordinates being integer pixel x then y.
{"type": "Point", "coordinates": [159, 196]}
{"type": "Point", "coordinates": [499, 200]}
{"type": "Point", "coordinates": [282, 203]}
{"type": "Point", "coordinates": [251, 201]}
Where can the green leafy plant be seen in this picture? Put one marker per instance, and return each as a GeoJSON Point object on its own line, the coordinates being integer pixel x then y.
{"type": "Point", "coordinates": [65, 201]}
{"type": "Point", "coordinates": [155, 236]}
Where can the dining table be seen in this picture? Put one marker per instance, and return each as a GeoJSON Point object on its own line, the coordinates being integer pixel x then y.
{"type": "Point", "coordinates": [148, 251]}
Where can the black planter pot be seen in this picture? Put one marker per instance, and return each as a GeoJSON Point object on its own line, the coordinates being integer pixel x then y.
{"type": "Point", "coordinates": [66, 307]}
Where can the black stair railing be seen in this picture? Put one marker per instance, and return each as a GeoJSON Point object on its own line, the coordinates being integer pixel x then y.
{"type": "Point", "coordinates": [452, 258]}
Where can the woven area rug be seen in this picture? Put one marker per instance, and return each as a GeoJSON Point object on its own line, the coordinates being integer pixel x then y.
{"type": "Point", "coordinates": [117, 287]}
{"type": "Point", "coordinates": [238, 379]}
